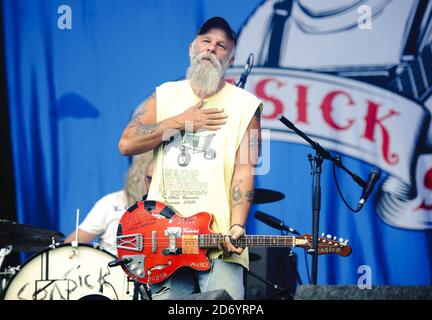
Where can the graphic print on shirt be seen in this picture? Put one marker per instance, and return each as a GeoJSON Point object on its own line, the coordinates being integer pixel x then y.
{"type": "Point", "coordinates": [191, 143]}
{"type": "Point", "coordinates": [188, 153]}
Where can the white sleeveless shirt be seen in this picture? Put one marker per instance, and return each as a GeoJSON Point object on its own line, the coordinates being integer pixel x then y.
{"type": "Point", "coordinates": [193, 173]}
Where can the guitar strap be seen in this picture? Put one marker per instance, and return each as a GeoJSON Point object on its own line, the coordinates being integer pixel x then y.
{"type": "Point", "coordinates": [150, 205]}
{"type": "Point", "coordinates": [133, 207]}
{"type": "Point", "coordinates": [166, 211]}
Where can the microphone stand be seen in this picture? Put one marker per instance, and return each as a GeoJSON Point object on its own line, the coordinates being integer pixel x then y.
{"type": "Point", "coordinates": [320, 155]}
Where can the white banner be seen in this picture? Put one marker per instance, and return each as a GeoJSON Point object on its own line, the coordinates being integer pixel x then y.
{"type": "Point", "coordinates": [354, 118]}
{"type": "Point", "coordinates": [347, 116]}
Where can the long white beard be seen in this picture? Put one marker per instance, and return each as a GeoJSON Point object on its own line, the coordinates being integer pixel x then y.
{"type": "Point", "coordinates": [205, 77]}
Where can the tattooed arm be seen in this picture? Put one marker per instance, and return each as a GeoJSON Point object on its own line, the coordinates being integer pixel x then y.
{"type": "Point", "coordinates": [242, 186]}
{"type": "Point", "coordinates": [143, 133]}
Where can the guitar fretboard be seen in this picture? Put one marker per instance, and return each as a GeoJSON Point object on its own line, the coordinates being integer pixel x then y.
{"type": "Point", "coordinates": [212, 241]}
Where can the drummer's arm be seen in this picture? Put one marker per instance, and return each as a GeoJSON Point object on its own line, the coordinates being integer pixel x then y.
{"type": "Point", "coordinates": [83, 236]}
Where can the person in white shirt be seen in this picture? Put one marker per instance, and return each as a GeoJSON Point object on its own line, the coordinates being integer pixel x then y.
{"type": "Point", "coordinates": [103, 218]}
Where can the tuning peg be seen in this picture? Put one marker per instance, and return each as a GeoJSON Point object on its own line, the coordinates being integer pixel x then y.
{"type": "Point", "coordinates": [322, 234]}
{"type": "Point", "coordinates": [334, 238]}
{"type": "Point", "coordinates": [341, 240]}
{"type": "Point", "coordinates": [346, 242]}
{"type": "Point", "coordinates": [329, 236]}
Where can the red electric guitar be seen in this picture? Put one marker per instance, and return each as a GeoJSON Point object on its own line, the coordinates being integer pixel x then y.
{"type": "Point", "coordinates": [153, 241]}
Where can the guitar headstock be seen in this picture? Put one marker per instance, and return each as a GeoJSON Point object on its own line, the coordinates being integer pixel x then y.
{"type": "Point", "coordinates": [326, 244]}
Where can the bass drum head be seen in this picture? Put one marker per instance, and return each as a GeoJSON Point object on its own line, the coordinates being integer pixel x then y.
{"type": "Point", "coordinates": [67, 273]}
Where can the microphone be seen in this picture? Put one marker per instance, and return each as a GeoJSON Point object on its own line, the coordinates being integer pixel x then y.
{"type": "Point", "coordinates": [119, 262]}
{"type": "Point", "coordinates": [274, 222]}
{"type": "Point", "coordinates": [247, 69]}
{"type": "Point", "coordinates": [248, 64]}
{"type": "Point", "coordinates": [374, 175]}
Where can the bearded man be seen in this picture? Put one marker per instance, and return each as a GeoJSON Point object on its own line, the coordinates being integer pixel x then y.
{"type": "Point", "coordinates": [205, 133]}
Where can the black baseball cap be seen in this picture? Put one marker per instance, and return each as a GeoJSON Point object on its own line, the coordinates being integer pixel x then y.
{"type": "Point", "coordinates": [218, 23]}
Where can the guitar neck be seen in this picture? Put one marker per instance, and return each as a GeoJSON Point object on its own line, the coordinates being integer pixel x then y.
{"type": "Point", "coordinates": [212, 241]}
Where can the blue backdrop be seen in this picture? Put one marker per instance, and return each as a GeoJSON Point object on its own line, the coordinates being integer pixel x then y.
{"type": "Point", "coordinates": [72, 91]}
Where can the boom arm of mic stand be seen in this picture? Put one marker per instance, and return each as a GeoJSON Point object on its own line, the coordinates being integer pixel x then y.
{"type": "Point", "coordinates": [323, 152]}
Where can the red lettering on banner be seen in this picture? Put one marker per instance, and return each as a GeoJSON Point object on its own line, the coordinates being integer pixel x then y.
{"type": "Point", "coordinates": [260, 92]}
{"type": "Point", "coordinates": [427, 181]}
{"type": "Point", "coordinates": [301, 103]}
{"type": "Point", "coordinates": [327, 108]}
{"type": "Point", "coordinates": [372, 121]}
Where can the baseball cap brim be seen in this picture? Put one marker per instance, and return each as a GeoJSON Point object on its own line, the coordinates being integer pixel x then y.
{"type": "Point", "coordinates": [218, 23]}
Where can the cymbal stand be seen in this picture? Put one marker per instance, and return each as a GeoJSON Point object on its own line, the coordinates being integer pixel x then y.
{"type": "Point", "coordinates": [289, 290]}
{"type": "Point", "coordinates": [292, 258]}
{"type": "Point", "coordinates": [141, 289]}
{"type": "Point", "coordinates": [4, 252]}
{"type": "Point", "coordinates": [261, 278]}
{"type": "Point", "coordinates": [280, 291]}
{"type": "Point", "coordinates": [294, 265]}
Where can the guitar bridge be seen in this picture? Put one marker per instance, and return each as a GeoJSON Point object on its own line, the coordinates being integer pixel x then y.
{"type": "Point", "coordinates": [132, 242]}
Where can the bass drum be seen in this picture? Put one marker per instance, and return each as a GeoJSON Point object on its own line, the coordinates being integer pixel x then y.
{"type": "Point", "coordinates": [68, 273]}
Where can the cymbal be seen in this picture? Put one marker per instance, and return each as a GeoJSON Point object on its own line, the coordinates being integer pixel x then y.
{"type": "Point", "coordinates": [267, 196]}
{"type": "Point", "coordinates": [27, 238]}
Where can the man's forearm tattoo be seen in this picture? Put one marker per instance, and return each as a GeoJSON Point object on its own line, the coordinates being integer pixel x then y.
{"type": "Point", "coordinates": [141, 111]}
{"type": "Point", "coordinates": [136, 116]}
{"type": "Point", "coordinates": [142, 129]}
{"type": "Point", "coordinates": [236, 195]}
{"type": "Point", "coordinates": [250, 196]}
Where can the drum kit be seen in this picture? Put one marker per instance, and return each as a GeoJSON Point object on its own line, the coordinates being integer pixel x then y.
{"type": "Point", "coordinates": [59, 271]}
